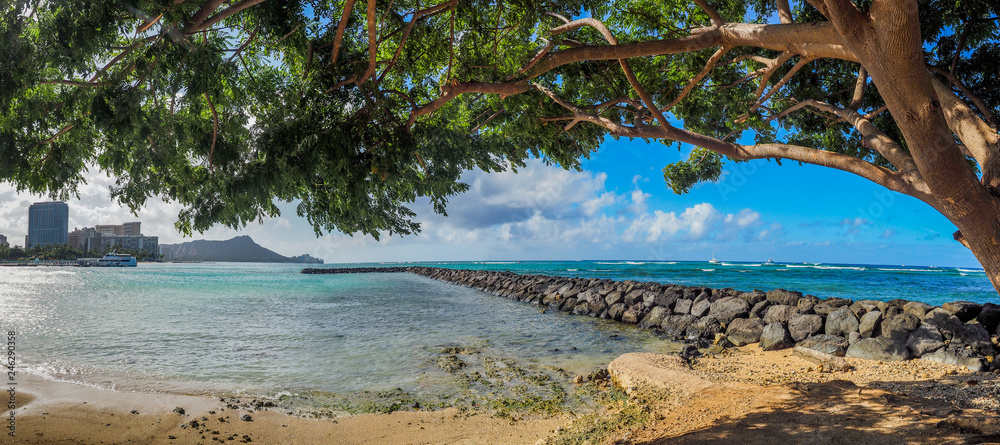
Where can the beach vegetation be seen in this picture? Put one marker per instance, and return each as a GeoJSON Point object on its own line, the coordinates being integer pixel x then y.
{"type": "Point", "coordinates": [357, 109]}
{"type": "Point", "coordinates": [65, 252]}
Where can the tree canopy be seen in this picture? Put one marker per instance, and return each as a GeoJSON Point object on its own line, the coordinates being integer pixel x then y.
{"type": "Point", "coordinates": [359, 108]}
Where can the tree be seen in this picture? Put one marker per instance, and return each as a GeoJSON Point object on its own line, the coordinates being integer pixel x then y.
{"type": "Point", "coordinates": [357, 108]}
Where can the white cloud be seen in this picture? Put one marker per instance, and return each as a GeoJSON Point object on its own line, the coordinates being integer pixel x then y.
{"type": "Point", "coordinates": [745, 218]}
{"type": "Point", "coordinates": [542, 212]}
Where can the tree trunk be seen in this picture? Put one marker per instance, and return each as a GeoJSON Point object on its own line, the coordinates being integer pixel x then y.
{"type": "Point", "coordinates": [887, 39]}
{"type": "Point", "coordinates": [980, 232]}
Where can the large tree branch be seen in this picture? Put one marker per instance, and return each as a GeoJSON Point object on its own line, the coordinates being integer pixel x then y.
{"type": "Point", "coordinates": [225, 13]}
{"type": "Point", "coordinates": [409, 27]}
{"type": "Point", "coordinates": [453, 90]}
{"type": "Point", "coordinates": [871, 136]}
{"type": "Point", "coordinates": [859, 89]}
{"type": "Point", "coordinates": [980, 140]}
{"type": "Point", "coordinates": [203, 13]}
{"type": "Point", "coordinates": [372, 43]}
{"type": "Point", "coordinates": [983, 108]}
{"type": "Point", "coordinates": [713, 16]}
{"type": "Point", "coordinates": [709, 66]}
{"type": "Point", "coordinates": [784, 11]}
{"type": "Point", "coordinates": [338, 39]}
{"type": "Point", "coordinates": [817, 40]}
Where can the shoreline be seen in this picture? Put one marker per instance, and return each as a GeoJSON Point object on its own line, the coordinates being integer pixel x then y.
{"type": "Point", "coordinates": [741, 395]}
{"type": "Point", "coordinates": [50, 411]}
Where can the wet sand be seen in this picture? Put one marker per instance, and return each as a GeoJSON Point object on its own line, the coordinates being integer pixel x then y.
{"type": "Point", "coordinates": [743, 395]}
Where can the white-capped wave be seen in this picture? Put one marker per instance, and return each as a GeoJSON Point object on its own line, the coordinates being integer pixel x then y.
{"type": "Point", "coordinates": [970, 270]}
{"type": "Point", "coordinates": [817, 266]}
{"type": "Point", "coordinates": [708, 270]}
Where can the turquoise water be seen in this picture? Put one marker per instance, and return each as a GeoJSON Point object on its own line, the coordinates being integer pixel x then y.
{"type": "Point", "coordinates": [265, 328]}
{"type": "Point", "coordinates": [230, 328]}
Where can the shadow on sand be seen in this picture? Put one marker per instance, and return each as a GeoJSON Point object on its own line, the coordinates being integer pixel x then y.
{"type": "Point", "coordinates": [839, 412]}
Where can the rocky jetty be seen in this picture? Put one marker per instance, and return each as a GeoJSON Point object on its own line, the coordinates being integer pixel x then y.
{"type": "Point", "coordinates": [958, 333]}
{"type": "Point", "coordinates": [339, 270]}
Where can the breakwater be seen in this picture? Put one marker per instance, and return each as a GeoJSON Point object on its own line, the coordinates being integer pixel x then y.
{"type": "Point", "coordinates": [340, 270]}
{"type": "Point", "coordinates": [958, 333]}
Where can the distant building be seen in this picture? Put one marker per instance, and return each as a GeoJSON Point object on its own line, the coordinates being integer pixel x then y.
{"type": "Point", "coordinates": [306, 258]}
{"type": "Point", "coordinates": [48, 223]}
{"type": "Point", "coordinates": [131, 229]}
{"type": "Point", "coordinates": [3, 241]}
{"type": "Point", "coordinates": [110, 230]}
{"type": "Point", "coordinates": [150, 244]}
{"type": "Point", "coordinates": [85, 239]}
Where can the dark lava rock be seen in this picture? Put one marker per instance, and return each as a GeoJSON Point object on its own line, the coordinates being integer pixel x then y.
{"type": "Point", "coordinates": [700, 308]}
{"type": "Point", "coordinates": [667, 299]}
{"type": "Point", "coordinates": [779, 313]}
{"type": "Point", "coordinates": [924, 340]}
{"type": "Point", "coordinates": [632, 315]}
{"type": "Point", "coordinates": [830, 344]}
{"type": "Point", "coordinates": [974, 336]}
{"type": "Point", "coordinates": [782, 296]}
{"type": "Point", "coordinates": [743, 331]}
{"type": "Point", "coordinates": [705, 327]}
{"type": "Point", "coordinates": [806, 304]}
{"type": "Point", "coordinates": [829, 305]}
{"type": "Point", "coordinates": [801, 327]}
{"type": "Point", "coordinates": [246, 418]}
{"type": "Point", "coordinates": [989, 317]}
{"type": "Point", "coordinates": [614, 298]}
{"type": "Point", "coordinates": [760, 309]}
{"type": "Point", "coordinates": [676, 325]}
{"type": "Point", "coordinates": [879, 348]}
{"type": "Point", "coordinates": [959, 357]}
{"type": "Point", "coordinates": [862, 307]}
{"type": "Point", "coordinates": [964, 310]}
{"type": "Point", "coordinates": [729, 308]}
{"type": "Point", "coordinates": [870, 324]}
{"type": "Point", "coordinates": [841, 322]}
{"type": "Point", "coordinates": [616, 310]}
{"type": "Point", "coordinates": [917, 308]}
{"type": "Point", "coordinates": [683, 306]}
{"type": "Point", "coordinates": [899, 326]}
{"type": "Point", "coordinates": [775, 336]}
{"type": "Point", "coordinates": [654, 318]}
{"type": "Point", "coordinates": [752, 298]}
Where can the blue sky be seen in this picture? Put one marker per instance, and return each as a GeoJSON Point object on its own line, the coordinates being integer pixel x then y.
{"type": "Point", "coordinates": [618, 207]}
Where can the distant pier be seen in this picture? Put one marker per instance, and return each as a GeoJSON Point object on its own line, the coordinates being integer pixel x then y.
{"type": "Point", "coordinates": [355, 270]}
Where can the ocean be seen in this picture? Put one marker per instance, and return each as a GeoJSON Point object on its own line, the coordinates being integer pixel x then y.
{"type": "Point", "coordinates": [266, 329]}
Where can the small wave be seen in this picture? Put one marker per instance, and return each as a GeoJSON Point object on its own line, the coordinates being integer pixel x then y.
{"type": "Point", "coordinates": [599, 262]}
{"type": "Point", "coordinates": [908, 270]}
{"type": "Point", "coordinates": [670, 262]}
{"type": "Point", "coordinates": [817, 266]}
{"type": "Point", "coordinates": [970, 270]}
{"type": "Point", "coordinates": [708, 270]}
{"type": "Point", "coordinates": [635, 263]}
{"type": "Point", "coordinates": [572, 270]}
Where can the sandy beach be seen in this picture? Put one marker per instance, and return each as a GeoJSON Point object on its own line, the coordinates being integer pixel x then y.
{"type": "Point", "coordinates": [743, 395]}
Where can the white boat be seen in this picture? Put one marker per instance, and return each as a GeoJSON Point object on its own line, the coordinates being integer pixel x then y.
{"type": "Point", "coordinates": [769, 262]}
{"type": "Point", "coordinates": [115, 260]}
{"type": "Point", "coordinates": [713, 260]}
